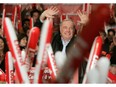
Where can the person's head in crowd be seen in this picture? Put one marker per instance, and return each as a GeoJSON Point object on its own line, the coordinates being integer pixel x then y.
{"type": "Point", "coordinates": [25, 25]}
{"type": "Point", "coordinates": [67, 29]}
{"type": "Point", "coordinates": [113, 69]}
{"type": "Point", "coordinates": [3, 45]}
{"type": "Point", "coordinates": [35, 14]}
{"type": "Point", "coordinates": [22, 38]}
{"type": "Point", "coordinates": [102, 34]}
{"type": "Point", "coordinates": [26, 31]}
{"type": "Point", "coordinates": [111, 34]}
{"type": "Point", "coordinates": [27, 15]}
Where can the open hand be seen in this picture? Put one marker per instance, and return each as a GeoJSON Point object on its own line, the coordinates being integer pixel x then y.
{"type": "Point", "coordinates": [50, 12]}
{"type": "Point", "coordinates": [83, 17]}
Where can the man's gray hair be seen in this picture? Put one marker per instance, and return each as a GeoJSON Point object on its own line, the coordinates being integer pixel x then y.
{"type": "Point", "coordinates": [70, 21]}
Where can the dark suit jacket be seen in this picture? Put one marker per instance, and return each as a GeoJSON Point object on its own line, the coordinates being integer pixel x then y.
{"type": "Point", "coordinates": [113, 57]}
{"type": "Point", "coordinates": [58, 46]}
{"type": "Point", "coordinates": [57, 43]}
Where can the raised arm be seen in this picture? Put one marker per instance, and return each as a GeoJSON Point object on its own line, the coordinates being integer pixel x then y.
{"type": "Point", "coordinates": [84, 18]}
{"type": "Point", "coordinates": [49, 13]}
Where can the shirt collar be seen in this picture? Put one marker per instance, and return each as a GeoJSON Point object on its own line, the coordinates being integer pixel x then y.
{"type": "Point", "coordinates": [64, 42]}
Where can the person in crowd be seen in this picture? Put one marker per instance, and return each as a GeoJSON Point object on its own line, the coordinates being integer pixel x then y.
{"type": "Point", "coordinates": [113, 56]}
{"type": "Point", "coordinates": [22, 38]}
{"type": "Point", "coordinates": [32, 11]}
{"type": "Point", "coordinates": [111, 34]}
{"type": "Point", "coordinates": [25, 26]}
{"type": "Point", "coordinates": [35, 14]}
{"type": "Point", "coordinates": [63, 39]}
{"type": "Point", "coordinates": [103, 35]}
{"type": "Point", "coordinates": [67, 31]}
{"type": "Point", "coordinates": [107, 46]}
{"type": "Point", "coordinates": [25, 23]}
{"type": "Point", "coordinates": [3, 50]}
{"type": "Point", "coordinates": [27, 8]}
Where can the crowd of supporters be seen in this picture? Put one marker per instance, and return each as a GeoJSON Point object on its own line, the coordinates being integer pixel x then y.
{"type": "Point", "coordinates": [38, 15]}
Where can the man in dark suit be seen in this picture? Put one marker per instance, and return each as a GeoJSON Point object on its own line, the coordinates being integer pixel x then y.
{"type": "Point", "coordinates": [63, 39]}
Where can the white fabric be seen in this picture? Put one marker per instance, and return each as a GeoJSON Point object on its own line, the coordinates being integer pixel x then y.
{"type": "Point", "coordinates": [65, 43]}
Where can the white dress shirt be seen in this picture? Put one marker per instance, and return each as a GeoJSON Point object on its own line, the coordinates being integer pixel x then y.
{"type": "Point", "coordinates": [65, 43]}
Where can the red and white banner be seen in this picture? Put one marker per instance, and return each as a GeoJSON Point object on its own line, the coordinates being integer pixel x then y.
{"type": "Point", "coordinates": [15, 51]}
{"type": "Point", "coordinates": [34, 36]}
{"type": "Point", "coordinates": [9, 68]}
{"type": "Point", "coordinates": [45, 38]}
{"type": "Point", "coordinates": [51, 62]}
{"type": "Point", "coordinates": [94, 56]}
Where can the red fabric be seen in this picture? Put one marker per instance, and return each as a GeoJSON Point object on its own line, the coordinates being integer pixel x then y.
{"type": "Point", "coordinates": [2, 76]}
{"type": "Point", "coordinates": [112, 77]}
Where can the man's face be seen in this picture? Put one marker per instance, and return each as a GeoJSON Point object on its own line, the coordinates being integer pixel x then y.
{"type": "Point", "coordinates": [67, 30]}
